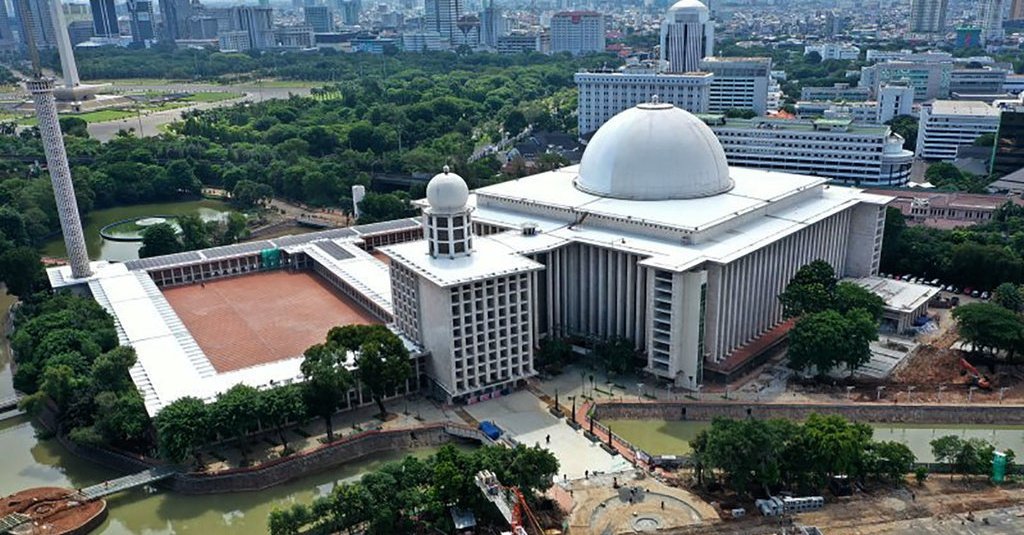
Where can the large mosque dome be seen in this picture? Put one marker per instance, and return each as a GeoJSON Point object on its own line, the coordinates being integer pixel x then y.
{"type": "Point", "coordinates": [447, 192]}
{"type": "Point", "coordinates": [654, 152]}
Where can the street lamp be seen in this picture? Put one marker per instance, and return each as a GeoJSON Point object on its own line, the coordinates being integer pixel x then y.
{"type": "Point", "coordinates": [698, 391]}
{"type": "Point", "coordinates": [878, 393]}
{"type": "Point", "coordinates": [573, 399]}
{"type": "Point", "coordinates": [1002, 392]}
{"type": "Point", "coordinates": [556, 401]}
{"type": "Point", "coordinates": [639, 391]}
{"type": "Point", "coordinates": [938, 395]}
{"type": "Point", "coordinates": [970, 393]}
{"type": "Point", "coordinates": [909, 390]}
{"type": "Point", "coordinates": [848, 390]}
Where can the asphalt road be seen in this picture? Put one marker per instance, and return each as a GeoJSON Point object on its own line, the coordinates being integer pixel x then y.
{"type": "Point", "coordinates": [151, 123]}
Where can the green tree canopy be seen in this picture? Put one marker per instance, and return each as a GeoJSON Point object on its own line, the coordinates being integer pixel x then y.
{"type": "Point", "coordinates": [159, 239]}
{"type": "Point", "coordinates": [182, 428]}
{"type": "Point", "coordinates": [988, 326]}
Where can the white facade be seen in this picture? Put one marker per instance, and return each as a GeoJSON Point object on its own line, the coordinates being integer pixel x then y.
{"type": "Point", "coordinates": [300, 37]}
{"type": "Point", "coordinates": [928, 16]}
{"type": "Point", "coordinates": [518, 43]}
{"type": "Point", "coordinates": [420, 41]}
{"type": "Point", "coordinates": [602, 95]}
{"type": "Point", "coordinates": [984, 81]}
{"type": "Point", "coordinates": [577, 32]}
{"type": "Point", "coordinates": [893, 101]}
{"type": "Point", "coordinates": [234, 41]}
{"type": "Point", "coordinates": [930, 77]}
{"type": "Point", "coordinates": [738, 83]}
{"type": "Point", "coordinates": [837, 149]}
{"type": "Point", "coordinates": [687, 36]}
{"type": "Point", "coordinates": [833, 51]}
{"type": "Point", "coordinates": [948, 124]}
{"type": "Point", "coordinates": [834, 93]}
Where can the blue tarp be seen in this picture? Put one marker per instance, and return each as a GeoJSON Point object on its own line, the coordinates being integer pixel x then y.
{"type": "Point", "coordinates": [490, 429]}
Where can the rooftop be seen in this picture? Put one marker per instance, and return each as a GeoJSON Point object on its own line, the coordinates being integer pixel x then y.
{"type": "Point", "coordinates": [845, 126]}
{"type": "Point", "coordinates": [964, 107]}
{"type": "Point", "coordinates": [490, 258]}
{"type": "Point", "coordinates": [899, 296]}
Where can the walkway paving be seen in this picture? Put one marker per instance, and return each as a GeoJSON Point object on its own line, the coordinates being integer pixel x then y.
{"type": "Point", "coordinates": [526, 419]}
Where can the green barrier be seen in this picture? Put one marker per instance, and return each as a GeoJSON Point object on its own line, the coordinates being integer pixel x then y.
{"type": "Point", "coordinates": [270, 258]}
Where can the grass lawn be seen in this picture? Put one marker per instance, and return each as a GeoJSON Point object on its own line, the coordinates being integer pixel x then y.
{"type": "Point", "coordinates": [102, 116]}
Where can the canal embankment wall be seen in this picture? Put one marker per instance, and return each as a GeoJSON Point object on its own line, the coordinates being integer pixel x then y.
{"type": "Point", "coordinates": [857, 412]}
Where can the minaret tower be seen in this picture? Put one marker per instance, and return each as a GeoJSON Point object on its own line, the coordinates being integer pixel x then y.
{"type": "Point", "coordinates": [41, 89]}
{"type": "Point", "coordinates": [446, 221]}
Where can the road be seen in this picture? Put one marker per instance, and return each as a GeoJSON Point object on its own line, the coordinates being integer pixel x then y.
{"type": "Point", "coordinates": [151, 123]}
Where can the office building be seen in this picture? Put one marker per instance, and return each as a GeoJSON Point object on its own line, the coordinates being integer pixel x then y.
{"type": "Point", "coordinates": [256, 22]}
{"type": "Point", "coordinates": [234, 41]}
{"type": "Point", "coordinates": [738, 83]}
{"type": "Point", "coordinates": [948, 124]}
{"type": "Point", "coordinates": [175, 15]}
{"type": "Point", "coordinates": [319, 18]}
{"type": "Point", "coordinates": [423, 41]}
{"type": "Point", "coordinates": [518, 43]}
{"type": "Point", "coordinates": [869, 155]}
{"type": "Point", "coordinates": [104, 18]}
{"type": "Point", "coordinates": [894, 100]}
{"type": "Point", "coordinates": [930, 79]}
{"type": "Point", "coordinates": [492, 25]}
{"type": "Point", "coordinates": [833, 51]}
{"type": "Point", "coordinates": [80, 31]}
{"type": "Point", "coordinates": [577, 32]}
{"type": "Point", "coordinates": [968, 37]}
{"type": "Point", "coordinates": [602, 95]}
{"type": "Point", "coordinates": [350, 10]}
{"type": "Point", "coordinates": [442, 16]}
{"type": "Point", "coordinates": [991, 17]}
{"type": "Point", "coordinates": [206, 27]}
{"type": "Point", "coordinates": [1016, 10]}
{"type": "Point", "coordinates": [687, 36]}
{"type": "Point", "coordinates": [295, 37]}
{"type": "Point", "coordinates": [468, 31]}
{"type": "Point", "coordinates": [1008, 155]}
{"type": "Point", "coordinates": [34, 16]}
{"type": "Point", "coordinates": [7, 42]}
{"type": "Point", "coordinates": [977, 81]}
{"type": "Point", "coordinates": [835, 93]}
{"type": "Point", "coordinates": [140, 17]}
{"type": "Point", "coordinates": [928, 16]}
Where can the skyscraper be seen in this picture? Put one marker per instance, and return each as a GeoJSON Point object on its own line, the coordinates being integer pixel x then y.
{"type": "Point", "coordinates": [441, 16]}
{"type": "Point", "coordinates": [991, 17]}
{"type": "Point", "coordinates": [577, 32]}
{"type": "Point", "coordinates": [320, 18]}
{"type": "Point", "coordinates": [141, 17]}
{"type": "Point", "coordinates": [34, 16]}
{"type": "Point", "coordinates": [1017, 10]}
{"type": "Point", "coordinates": [104, 18]}
{"type": "Point", "coordinates": [928, 16]}
{"type": "Point", "coordinates": [175, 15]}
{"type": "Point", "coordinates": [687, 36]}
{"type": "Point", "coordinates": [350, 10]}
{"type": "Point", "coordinates": [492, 25]}
{"type": "Point", "coordinates": [6, 34]}
{"type": "Point", "coordinates": [257, 22]}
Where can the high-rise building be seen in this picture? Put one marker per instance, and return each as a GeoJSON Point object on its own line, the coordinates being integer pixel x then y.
{"type": "Point", "coordinates": [930, 79]}
{"type": "Point", "coordinates": [140, 13]}
{"type": "Point", "coordinates": [257, 22]}
{"type": "Point", "coordinates": [104, 18]}
{"type": "Point", "coordinates": [991, 17]}
{"type": "Point", "coordinates": [519, 42]}
{"type": "Point", "coordinates": [350, 10]}
{"type": "Point", "coordinates": [34, 16]}
{"type": "Point", "coordinates": [492, 25]}
{"type": "Point", "coordinates": [175, 16]}
{"type": "Point", "coordinates": [577, 32]}
{"type": "Point", "coordinates": [1017, 10]}
{"type": "Point", "coordinates": [80, 31]}
{"type": "Point", "coordinates": [468, 33]}
{"type": "Point", "coordinates": [320, 18]}
{"type": "Point", "coordinates": [928, 16]}
{"type": "Point", "coordinates": [602, 95]}
{"type": "Point", "coordinates": [442, 16]}
{"type": "Point", "coordinates": [949, 124]}
{"type": "Point", "coordinates": [687, 36]}
{"type": "Point", "coordinates": [739, 83]}
{"type": "Point", "coordinates": [7, 42]}
{"type": "Point", "coordinates": [1008, 155]}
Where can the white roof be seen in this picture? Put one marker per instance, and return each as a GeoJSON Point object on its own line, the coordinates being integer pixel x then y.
{"type": "Point", "coordinates": [654, 152]}
{"type": "Point", "coordinates": [964, 107]}
{"type": "Point", "coordinates": [899, 296]}
{"type": "Point", "coordinates": [490, 258]}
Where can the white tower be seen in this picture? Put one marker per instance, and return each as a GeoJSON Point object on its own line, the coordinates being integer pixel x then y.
{"type": "Point", "coordinates": [446, 221]}
{"type": "Point", "coordinates": [67, 55]}
{"type": "Point", "coordinates": [687, 36]}
{"type": "Point", "coordinates": [60, 175]}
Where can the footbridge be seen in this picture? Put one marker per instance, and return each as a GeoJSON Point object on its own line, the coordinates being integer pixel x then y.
{"type": "Point", "coordinates": [120, 484]}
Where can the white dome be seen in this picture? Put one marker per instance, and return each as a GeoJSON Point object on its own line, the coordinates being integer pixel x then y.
{"type": "Point", "coordinates": [447, 192]}
{"type": "Point", "coordinates": [688, 5]}
{"type": "Point", "coordinates": [654, 152]}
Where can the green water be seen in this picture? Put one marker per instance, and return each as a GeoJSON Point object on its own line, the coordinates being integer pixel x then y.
{"type": "Point", "coordinates": [658, 437]}
{"type": "Point", "coordinates": [101, 249]}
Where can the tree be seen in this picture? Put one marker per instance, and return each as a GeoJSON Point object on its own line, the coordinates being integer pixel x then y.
{"type": "Point", "coordinates": [987, 139]}
{"type": "Point", "coordinates": [945, 449]}
{"type": "Point", "coordinates": [989, 326]}
{"type": "Point", "coordinates": [159, 239]}
{"type": "Point", "coordinates": [327, 381]}
{"type": "Point", "coordinates": [920, 475]}
{"type": "Point", "coordinates": [182, 428]}
{"type": "Point", "coordinates": [617, 355]}
{"type": "Point", "coordinates": [835, 445]}
{"type": "Point", "coordinates": [816, 341]}
{"type": "Point", "coordinates": [383, 207]}
{"type": "Point", "coordinates": [813, 57]}
{"type": "Point", "coordinates": [906, 127]}
{"type": "Point", "coordinates": [194, 232]}
{"type": "Point", "coordinates": [382, 361]}
{"type": "Point", "coordinates": [515, 123]}
{"type": "Point", "coordinates": [553, 353]}
{"type": "Point", "coordinates": [236, 414]}
{"type": "Point", "coordinates": [850, 296]}
{"type": "Point", "coordinates": [22, 271]}
{"type": "Point", "coordinates": [74, 126]}
{"type": "Point", "coordinates": [890, 461]}
{"type": "Point", "coordinates": [121, 418]}
{"type": "Point", "coordinates": [249, 194]}
{"type": "Point", "coordinates": [1008, 296]}
{"type": "Point", "coordinates": [740, 113]}
{"type": "Point", "coordinates": [110, 370]}
{"type": "Point", "coordinates": [281, 405]}
{"type": "Point", "coordinates": [810, 290]}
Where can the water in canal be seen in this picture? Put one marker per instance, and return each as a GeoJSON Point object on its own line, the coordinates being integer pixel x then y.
{"type": "Point", "coordinates": [658, 437]}
{"type": "Point", "coordinates": [100, 248]}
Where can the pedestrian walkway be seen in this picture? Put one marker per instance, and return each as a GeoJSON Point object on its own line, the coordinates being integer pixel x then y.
{"type": "Point", "coordinates": [127, 482]}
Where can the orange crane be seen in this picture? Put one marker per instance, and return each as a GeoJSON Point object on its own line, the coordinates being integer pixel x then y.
{"type": "Point", "coordinates": [977, 378]}
{"type": "Point", "coordinates": [510, 502]}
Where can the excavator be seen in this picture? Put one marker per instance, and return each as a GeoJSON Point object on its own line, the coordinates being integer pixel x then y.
{"type": "Point", "coordinates": [511, 502]}
{"type": "Point", "coordinates": [977, 379]}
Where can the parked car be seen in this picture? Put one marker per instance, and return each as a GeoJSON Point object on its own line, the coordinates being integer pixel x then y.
{"type": "Point", "coordinates": [985, 295]}
{"type": "Point", "coordinates": [975, 293]}
{"type": "Point", "coordinates": [954, 289]}
{"type": "Point", "coordinates": [935, 282]}
{"type": "Point", "coordinates": [968, 290]}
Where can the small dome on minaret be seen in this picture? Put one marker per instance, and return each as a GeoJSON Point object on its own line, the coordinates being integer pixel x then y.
{"type": "Point", "coordinates": [447, 192]}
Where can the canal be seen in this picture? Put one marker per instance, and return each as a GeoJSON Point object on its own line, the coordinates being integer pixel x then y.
{"type": "Point", "coordinates": [658, 437]}
{"type": "Point", "coordinates": [100, 248]}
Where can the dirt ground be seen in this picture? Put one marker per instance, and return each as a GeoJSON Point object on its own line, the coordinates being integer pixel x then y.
{"type": "Point", "coordinates": [940, 506]}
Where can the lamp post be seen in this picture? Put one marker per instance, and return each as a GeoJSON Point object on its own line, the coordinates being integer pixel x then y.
{"type": "Point", "coordinates": [909, 390]}
{"type": "Point", "coordinates": [698, 391]}
{"type": "Point", "coordinates": [878, 393]}
{"type": "Point", "coordinates": [1002, 392]}
{"type": "Point", "coordinates": [970, 393]}
{"type": "Point", "coordinates": [556, 401]}
{"type": "Point", "coordinates": [639, 391]}
{"type": "Point", "coordinates": [849, 389]}
{"type": "Point", "coordinates": [573, 399]}
{"type": "Point", "coordinates": [938, 395]}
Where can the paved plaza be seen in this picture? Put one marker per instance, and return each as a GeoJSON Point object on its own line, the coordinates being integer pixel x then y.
{"type": "Point", "coordinates": [526, 419]}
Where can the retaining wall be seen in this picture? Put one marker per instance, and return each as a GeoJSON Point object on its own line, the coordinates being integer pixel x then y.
{"type": "Point", "coordinates": [860, 412]}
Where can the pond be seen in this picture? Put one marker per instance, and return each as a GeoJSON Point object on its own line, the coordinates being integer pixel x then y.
{"type": "Point", "coordinates": [103, 249]}
{"type": "Point", "coordinates": [658, 437]}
